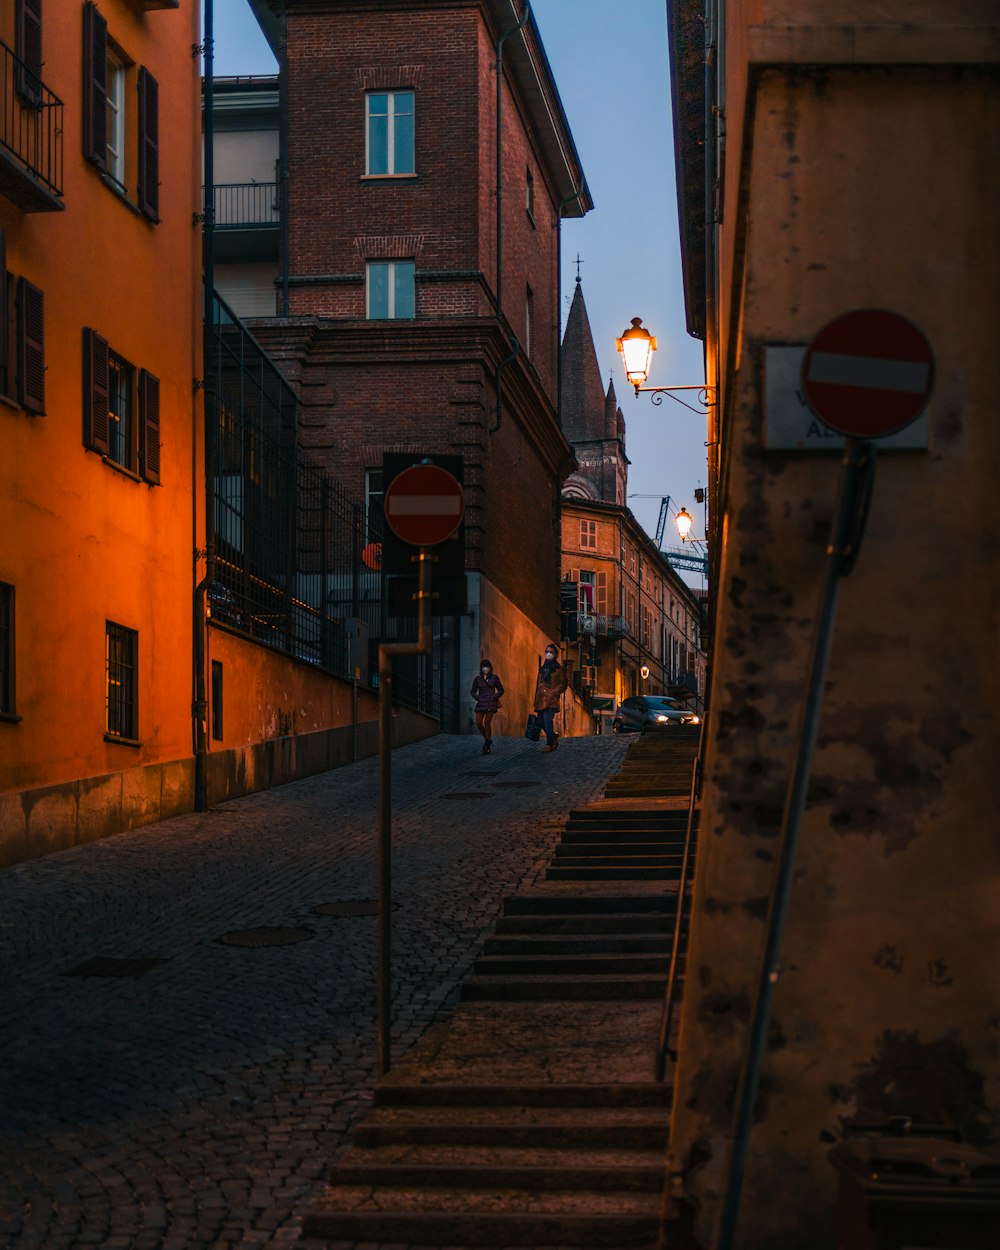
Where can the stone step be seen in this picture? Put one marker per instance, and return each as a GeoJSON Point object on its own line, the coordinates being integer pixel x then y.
{"type": "Point", "coordinates": [580, 944]}
{"type": "Point", "coordinates": [612, 834]}
{"type": "Point", "coordinates": [566, 988]}
{"type": "Point", "coordinates": [484, 1217]}
{"type": "Point", "coordinates": [650, 923]}
{"type": "Point", "coordinates": [576, 905]}
{"type": "Point", "coordinates": [638, 815]}
{"type": "Point", "coordinates": [591, 1128]}
{"type": "Point", "coordinates": [480, 1167]}
{"type": "Point", "coordinates": [623, 851]}
{"type": "Point", "coordinates": [626, 965]}
{"type": "Point", "coordinates": [395, 1092]}
{"type": "Point", "coordinates": [579, 871]}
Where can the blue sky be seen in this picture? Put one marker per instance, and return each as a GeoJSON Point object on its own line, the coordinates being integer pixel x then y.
{"type": "Point", "coordinates": [611, 75]}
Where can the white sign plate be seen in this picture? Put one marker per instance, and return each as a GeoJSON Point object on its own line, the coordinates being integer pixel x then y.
{"type": "Point", "coordinates": [789, 424]}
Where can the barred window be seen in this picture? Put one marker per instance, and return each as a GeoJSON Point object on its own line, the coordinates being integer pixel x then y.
{"type": "Point", "coordinates": [121, 663]}
{"type": "Point", "coordinates": [7, 706]}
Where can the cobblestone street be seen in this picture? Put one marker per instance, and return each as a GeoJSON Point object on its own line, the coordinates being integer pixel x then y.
{"type": "Point", "coordinates": [199, 1104]}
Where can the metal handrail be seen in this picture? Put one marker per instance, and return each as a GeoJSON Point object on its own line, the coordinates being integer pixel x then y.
{"type": "Point", "coordinates": [670, 998]}
{"type": "Point", "coordinates": [239, 205]}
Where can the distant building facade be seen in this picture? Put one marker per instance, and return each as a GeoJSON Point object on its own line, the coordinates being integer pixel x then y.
{"type": "Point", "coordinates": [636, 626]}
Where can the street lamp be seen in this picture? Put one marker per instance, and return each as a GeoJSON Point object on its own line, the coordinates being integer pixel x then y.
{"type": "Point", "coordinates": [644, 671]}
{"type": "Point", "coordinates": [637, 346]}
{"type": "Point", "coordinates": [684, 520]}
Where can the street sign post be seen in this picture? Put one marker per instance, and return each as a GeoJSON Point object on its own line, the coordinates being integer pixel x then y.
{"type": "Point", "coordinates": [868, 373]}
{"type": "Point", "coordinates": [424, 505]}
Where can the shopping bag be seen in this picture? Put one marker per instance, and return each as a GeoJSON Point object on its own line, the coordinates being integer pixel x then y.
{"type": "Point", "coordinates": [533, 729]}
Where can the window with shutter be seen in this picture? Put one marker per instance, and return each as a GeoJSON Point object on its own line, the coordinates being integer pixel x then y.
{"type": "Point", "coordinates": [95, 392]}
{"type": "Point", "coordinates": [95, 99]}
{"type": "Point", "coordinates": [31, 347]}
{"type": "Point", "coordinates": [4, 319]}
{"type": "Point", "coordinates": [149, 427]}
{"type": "Point", "coordinates": [28, 47]}
{"type": "Point", "coordinates": [149, 145]}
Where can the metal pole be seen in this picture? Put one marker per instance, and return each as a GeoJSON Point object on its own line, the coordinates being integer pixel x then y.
{"type": "Point", "coordinates": [854, 495]}
{"type": "Point", "coordinates": [386, 651]}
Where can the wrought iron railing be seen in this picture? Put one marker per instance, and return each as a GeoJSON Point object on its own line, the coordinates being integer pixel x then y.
{"type": "Point", "coordinates": [289, 541]}
{"type": "Point", "coordinates": [32, 123]}
{"type": "Point", "coordinates": [239, 205]}
{"type": "Point", "coordinates": [603, 626]}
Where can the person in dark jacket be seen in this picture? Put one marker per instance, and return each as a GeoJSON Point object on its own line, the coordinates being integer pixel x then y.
{"type": "Point", "coordinates": [486, 690]}
{"type": "Point", "coordinates": [549, 690]}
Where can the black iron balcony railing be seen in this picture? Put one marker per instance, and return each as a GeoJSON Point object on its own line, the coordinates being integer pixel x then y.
{"type": "Point", "coordinates": [31, 138]}
{"type": "Point", "coordinates": [602, 626]}
{"type": "Point", "coordinates": [241, 205]}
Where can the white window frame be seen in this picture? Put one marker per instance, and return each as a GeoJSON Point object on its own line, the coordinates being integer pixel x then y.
{"type": "Point", "coordinates": [392, 112]}
{"type": "Point", "coordinates": [390, 266]}
{"type": "Point", "coordinates": [115, 79]}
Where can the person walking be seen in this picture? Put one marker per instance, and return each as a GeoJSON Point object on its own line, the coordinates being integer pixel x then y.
{"type": "Point", "coordinates": [486, 690]}
{"type": "Point", "coordinates": [549, 690]}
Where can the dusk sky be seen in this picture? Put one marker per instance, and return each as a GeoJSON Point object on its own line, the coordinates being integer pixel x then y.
{"type": "Point", "coordinates": [612, 77]}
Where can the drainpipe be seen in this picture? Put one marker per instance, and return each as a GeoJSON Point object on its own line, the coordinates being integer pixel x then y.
{"type": "Point", "coordinates": [514, 345]}
{"type": "Point", "coordinates": [199, 710]}
{"type": "Point", "coordinates": [283, 152]}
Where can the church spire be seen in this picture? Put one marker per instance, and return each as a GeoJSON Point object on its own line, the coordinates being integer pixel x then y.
{"type": "Point", "coordinates": [580, 375]}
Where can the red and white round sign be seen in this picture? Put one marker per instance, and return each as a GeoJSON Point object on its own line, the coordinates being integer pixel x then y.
{"type": "Point", "coordinates": [868, 373]}
{"type": "Point", "coordinates": [424, 505]}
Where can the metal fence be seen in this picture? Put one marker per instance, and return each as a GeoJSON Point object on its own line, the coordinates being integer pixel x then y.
{"type": "Point", "coordinates": [289, 540]}
{"type": "Point", "coordinates": [32, 123]}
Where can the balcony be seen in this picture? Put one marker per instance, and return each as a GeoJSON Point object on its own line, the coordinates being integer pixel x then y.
{"type": "Point", "coordinates": [683, 686]}
{"type": "Point", "coordinates": [246, 221]}
{"type": "Point", "coordinates": [31, 140]}
{"type": "Point", "coordinates": [600, 626]}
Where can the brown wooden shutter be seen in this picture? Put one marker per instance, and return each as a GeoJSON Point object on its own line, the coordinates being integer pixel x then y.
{"type": "Point", "coordinates": [149, 427]}
{"type": "Point", "coordinates": [96, 392]}
{"type": "Point", "coordinates": [149, 144]}
{"type": "Point", "coordinates": [602, 593]}
{"type": "Point", "coordinates": [4, 313]}
{"type": "Point", "coordinates": [30, 347]}
{"type": "Point", "coordinates": [28, 46]}
{"type": "Point", "coordinates": [95, 76]}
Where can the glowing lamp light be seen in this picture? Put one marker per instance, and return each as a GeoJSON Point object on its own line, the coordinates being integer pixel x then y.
{"type": "Point", "coordinates": [644, 671]}
{"type": "Point", "coordinates": [636, 346]}
{"type": "Point", "coordinates": [684, 521]}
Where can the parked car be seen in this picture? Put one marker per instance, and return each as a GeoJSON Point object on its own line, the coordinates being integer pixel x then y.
{"type": "Point", "coordinates": [651, 711]}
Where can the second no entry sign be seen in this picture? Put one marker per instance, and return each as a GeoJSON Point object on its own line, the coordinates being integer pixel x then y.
{"type": "Point", "coordinates": [868, 373]}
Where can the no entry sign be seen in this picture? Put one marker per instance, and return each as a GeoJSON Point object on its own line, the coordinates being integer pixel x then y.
{"type": "Point", "coordinates": [424, 505]}
{"type": "Point", "coordinates": [868, 373]}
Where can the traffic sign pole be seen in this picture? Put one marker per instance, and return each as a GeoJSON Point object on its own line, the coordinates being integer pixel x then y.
{"type": "Point", "coordinates": [422, 646]}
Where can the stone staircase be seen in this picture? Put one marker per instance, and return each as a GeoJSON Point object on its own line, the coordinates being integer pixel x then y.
{"type": "Point", "coordinates": [530, 1118]}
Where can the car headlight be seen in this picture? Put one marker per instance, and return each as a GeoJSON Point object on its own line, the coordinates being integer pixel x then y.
{"type": "Point", "coordinates": [695, 720]}
{"type": "Point", "coordinates": [661, 718]}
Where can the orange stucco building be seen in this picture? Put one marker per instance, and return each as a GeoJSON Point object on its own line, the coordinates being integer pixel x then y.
{"type": "Point", "coordinates": [99, 177]}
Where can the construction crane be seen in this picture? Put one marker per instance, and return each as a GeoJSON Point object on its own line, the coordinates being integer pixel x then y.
{"type": "Point", "coordinates": [661, 524]}
{"type": "Point", "coordinates": [690, 558]}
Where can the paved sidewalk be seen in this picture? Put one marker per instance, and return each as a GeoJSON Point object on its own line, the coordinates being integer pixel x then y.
{"type": "Point", "coordinates": [200, 1104]}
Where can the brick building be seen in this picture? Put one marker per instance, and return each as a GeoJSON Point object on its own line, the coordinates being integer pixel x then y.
{"type": "Point", "coordinates": [418, 283]}
{"type": "Point", "coordinates": [633, 614]}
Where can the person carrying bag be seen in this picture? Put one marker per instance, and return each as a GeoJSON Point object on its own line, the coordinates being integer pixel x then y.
{"type": "Point", "coordinates": [549, 690]}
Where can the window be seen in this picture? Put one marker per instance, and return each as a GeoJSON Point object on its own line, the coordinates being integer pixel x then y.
{"type": "Point", "coordinates": [28, 47]}
{"type": "Point", "coordinates": [588, 534]}
{"type": "Point", "coordinates": [121, 652]}
{"type": "Point", "coordinates": [529, 195]}
{"type": "Point", "coordinates": [22, 339]}
{"type": "Point", "coordinates": [7, 704]}
{"type": "Point", "coordinates": [587, 582]}
{"type": "Point", "coordinates": [529, 320]}
{"type": "Point", "coordinates": [120, 137]}
{"type": "Point", "coordinates": [390, 293]}
{"type": "Point", "coordinates": [217, 700]}
{"type": "Point", "coordinates": [389, 133]}
{"type": "Point", "coordinates": [121, 410]}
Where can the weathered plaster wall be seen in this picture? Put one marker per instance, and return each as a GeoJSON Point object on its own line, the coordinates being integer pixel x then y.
{"type": "Point", "coordinates": [864, 187]}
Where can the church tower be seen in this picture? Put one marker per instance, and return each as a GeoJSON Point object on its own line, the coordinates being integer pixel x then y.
{"type": "Point", "coordinates": [591, 419]}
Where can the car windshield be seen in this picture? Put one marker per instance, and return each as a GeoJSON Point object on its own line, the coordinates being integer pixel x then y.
{"type": "Point", "coordinates": [667, 705]}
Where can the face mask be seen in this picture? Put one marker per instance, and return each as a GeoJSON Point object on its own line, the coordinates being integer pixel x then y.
{"type": "Point", "coordinates": [550, 655]}
{"type": "Point", "coordinates": [486, 671]}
